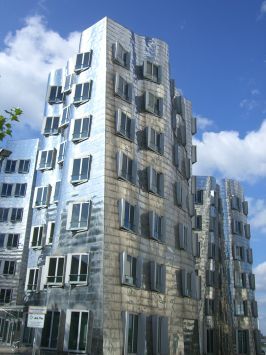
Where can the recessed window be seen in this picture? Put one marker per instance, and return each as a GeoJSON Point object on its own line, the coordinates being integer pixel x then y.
{"type": "Point", "coordinates": [9, 267]}
{"type": "Point", "coordinates": [210, 341]}
{"type": "Point", "coordinates": [66, 115]}
{"type": "Point", "coordinates": [158, 276]}
{"type": "Point", "coordinates": [177, 157]}
{"type": "Point", "coordinates": [153, 104]}
{"type": "Point", "coordinates": [81, 129]}
{"type": "Point", "coordinates": [241, 308]}
{"type": "Point", "coordinates": [152, 71]}
{"type": "Point", "coordinates": [82, 93]}
{"type": "Point", "coordinates": [209, 307]}
{"type": "Point", "coordinates": [78, 322]}
{"type": "Point", "coordinates": [55, 95]}
{"type": "Point", "coordinates": [126, 167]}
{"type": "Point", "coordinates": [237, 227]}
{"type": "Point", "coordinates": [236, 203]}
{"type": "Point", "coordinates": [124, 125]}
{"type": "Point", "coordinates": [24, 166]}
{"type": "Point", "coordinates": [50, 232]}
{"type": "Point", "coordinates": [4, 214]}
{"type": "Point", "coordinates": [46, 159]}
{"type": "Point", "coordinates": [242, 341]}
{"type": "Point", "coordinates": [128, 216]}
{"type": "Point", "coordinates": [62, 151]}
{"type": "Point", "coordinates": [155, 181]}
{"type": "Point", "coordinates": [42, 196]}
{"type": "Point", "coordinates": [37, 236]}
{"type": "Point", "coordinates": [55, 270]}
{"type": "Point", "coordinates": [32, 279]}
{"type": "Point", "coordinates": [247, 231]}
{"type": "Point", "coordinates": [179, 194]}
{"type": "Point", "coordinates": [79, 215]}
{"type": "Point", "coordinates": [83, 61]}
{"type": "Point", "coordinates": [199, 197]}
{"type": "Point", "coordinates": [6, 190]}
{"type": "Point", "coordinates": [12, 241]}
{"type": "Point", "coordinates": [179, 128]}
{"type": "Point", "coordinates": [251, 278]}
{"type": "Point", "coordinates": [68, 83]}
{"type": "Point", "coordinates": [78, 268]}
{"type": "Point", "coordinates": [5, 295]}
{"type": "Point", "coordinates": [16, 214]}
{"type": "Point", "coordinates": [184, 239]}
{"type": "Point", "coordinates": [211, 278]}
{"type": "Point", "coordinates": [120, 55]}
{"type": "Point", "coordinates": [154, 140]}
{"type": "Point", "coordinates": [239, 252]}
{"type": "Point", "coordinates": [20, 190]}
{"type": "Point", "coordinates": [56, 191]}
{"type": "Point", "coordinates": [123, 89]}
{"type": "Point", "coordinates": [190, 284]}
{"type": "Point", "coordinates": [2, 240]}
{"type": "Point", "coordinates": [51, 126]}
{"type": "Point", "coordinates": [50, 330]}
{"type": "Point", "coordinates": [157, 226]}
{"type": "Point", "coordinates": [132, 345]}
{"type": "Point", "coordinates": [81, 170]}
{"type": "Point", "coordinates": [10, 166]}
{"type": "Point", "coordinates": [130, 271]}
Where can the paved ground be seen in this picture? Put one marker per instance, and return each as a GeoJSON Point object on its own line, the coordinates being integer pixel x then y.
{"type": "Point", "coordinates": [11, 350]}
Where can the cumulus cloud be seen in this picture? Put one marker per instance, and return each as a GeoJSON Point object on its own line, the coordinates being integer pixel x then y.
{"type": "Point", "coordinates": [27, 58]}
{"type": "Point", "coordinates": [225, 153]}
{"type": "Point", "coordinates": [203, 122]}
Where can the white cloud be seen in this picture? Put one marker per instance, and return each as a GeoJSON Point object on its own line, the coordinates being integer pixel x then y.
{"type": "Point", "coordinates": [263, 8]}
{"type": "Point", "coordinates": [260, 272]}
{"type": "Point", "coordinates": [203, 122]}
{"type": "Point", "coordinates": [257, 213]}
{"type": "Point", "coordinates": [255, 92]}
{"type": "Point", "coordinates": [225, 153]}
{"type": "Point", "coordinates": [29, 55]}
{"type": "Point", "coordinates": [248, 104]}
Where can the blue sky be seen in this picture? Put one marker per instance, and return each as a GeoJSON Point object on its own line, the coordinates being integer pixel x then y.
{"type": "Point", "coordinates": [218, 59]}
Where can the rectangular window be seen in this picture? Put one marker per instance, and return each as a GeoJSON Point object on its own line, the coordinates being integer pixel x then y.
{"type": "Point", "coordinates": [210, 341]}
{"type": "Point", "coordinates": [212, 251]}
{"type": "Point", "coordinates": [51, 125]}
{"type": "Point", "coordinates": [79, 216]}
{"type": "Point", "coordinates": [37, 236]}
{"type": "Point", "coordinates": [9, 267]}
{"type": "Point", "coordinates": [55, 95]}
{"type": "Point", "coordinates": [10, 166]}
{"type": "Point", "coordinates": [78, 330]}
{"type": "Point", "coordinates": [128, 266]}
{"type": "Point", "coordinates": [65, 117]}
{"type": "Point", "coordinates": [211, 278]}
{"type": "Point", "coordinates": [126, 167]}
{"type": "Point", "coordinates": [157, 226]}
{"type": "Point", "coordinates": [251, 278]}
{"type": "Point", "coordinates": [128, 216]}
{"type": "Point", "coordinates": [16, 215]}
{"type": "Point", "coordinates": [46, 159]}
{"type": "Point", "coordinates": [237, 227]}
{"type": "Point", "coordinates": [83, 61]}
{"type": "Point", "coordinates": [155, 182]}
{"type": "Point", "coordinates": [82, 93]}
{"type": "Point", "coordinates": [179, 128]}
{"type": "Point", "coordinates": [242, 342]}
{"type": "Point", "coordinates": [179, 194]}
{"type": "Point", "coordinates": [55, 270]}
{"type": "Point", "coordinates": [68, 83]}
{"type": "Point", "coordinates": [50, 232]}
{"type": "Point", "coordinates": [239, 279]}
{"type": "Point", "coordinates": [152, 71]}
{"type": "Point", "coordinates": [20, 190]}
{"type": "Point", "coordinates": [123, 89]}
{"type": "Point", "coordinates": [190, 284]}
{"type": "Point", "coordinates": [6, 190]}
{"type": "Point", "coordinates": [50, 330]}
{"type": "Point", "coordinates": [78, 268]}
{"type": "Point", "coordinates": [154, 140]}
{"type": "Point", "coordinates": [32, 279]}
{"type": "Point", "coordinates": [254, 308]}
{"type": "Point", "coordinates": [160, 334]}
{"type": "Point", "coordinates": [62, 151]}
{"type": "Point", "coordinates": [124, 125]}
{"type": "Point", "coordinates": [120, 55]}
{"type": "Point", "coordinates": [235, 203]}
{"type": "Point", "coordinates": [209, 307]}
{"type": "Point", "coordinates": [12, 241]}
{"type": "Point", "coordinates": [241, 308]}
{"type": "Point", "coordinates": [245, 207]}
{"type": "Point", "coordinates": [24, 166]}
{"type": "Point", "coordinates": [4, 214]}
{"type": "Point", "coordinates": [132, 345]}
{"type": "Point", "coordinates": [198, 222]}
{"type": "Point", "coordinates": [5, 295]}
{"type": "Point", "coordinates": [56, 191]}
{"type": "Point", "coordinates": [42, 196]}
{"type": "Point", "coordinates": [81, 170]}
{"type": "Point", "coordinates": [81, 129]}
{"type": "Point", "coordinates": [158, 276]}
{"type": "Point", "coordinates": [199, 197]}
{"type": "Point", "coordinates": [153, 104]}
{"type": "Point", "coordinates": [247, 231]}
{"type": "Point", "coordinates": [184, 238]}
{"type": "Point", "coordinates": [2, 240]}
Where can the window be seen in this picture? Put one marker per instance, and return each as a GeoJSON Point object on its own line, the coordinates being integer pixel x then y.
{"type": "Point", "coordinates": [20, 190]}
{"type": "Point", "coordinates": [239, 252]}
{"type": "Point", "coordinates": [123, 89]}
{"type": "Point", "coordinates": [9, 267]}
{"type": "Point", "coordinates": [249, 256]}
{"type": "Point", "coordinates": [199, 197]}
{"type": "Point", "coordinates": [247, 230]}
{"type": "Point", "coordinates": [124, 125]}
{"type": "Point", "coordinates": [5, 295]}
{"type": "Point", "coordinates": [251, 278]}
{"type": "Point", "coordinates": [154, 140]}
{"type": "Point", "coordinates": [158, 277]}
{"type": "Point", "coordinates": [240, 279]}
{"type": "Point", "coordinates": [130, 270]}
{"type": "Point", "coordinates": [6, 190]}
{"type": "Point", "coordinates": [77, 337]}
{"type": "Point", "coordinates": [235, 203]}
{"type": "Point", "coordinates": [212, 251]}
{"type": "Point", "coordinates": [193, 125]}
{"type": "Point", "coordinates": [237, 227]}
{"type": "Point", "coordinates": [211, 278]}
{"type": "Point", "coordinates": [126, 168]}
{"type": "Point", "coordinates": [55, 270]}
{"type": "Point", "coordinates": [24, 166]}
{"type": "Point", "coordinates": [179, 128]}
{"type": "Point", "coordinates": [128, 216]}
{"type": "Point", "coordinates": [37, 236]}
{"type": "Point", "coordinates": [132, 345]}
{"type": "Point", "coordinates": [153, 104]}
{"type": "Point", "coordinates": [62, 151]}
{"type": "Point", "coordinates": [68, 83]}
{"type": "Point", "coordinates": [79, 216]}
{"type": "Point", "coordinates": [210, 341]}
{"type": "Point", "coordinates": [81, 170]}
{"type": "Point", "coordinates": [16, 214]}
{"type": "Point", "coordinates": [245, 207]}
{"type": "Point", "coordinates": [66, 115]}
{"type": "Point", "coordinates": [134, 333]}
{"type": "Point", "coordinates": [4, 214]}
{"type": "Point", "coordinates": [157, 226]}
{"type": "Point", "coordinates": [56, 191]}
{"type": "Point", "coordinates": [120, 55]}
{"type": "Point", "coordinates": [50, 330]}
{"type": "Point", "coordinates": [81, 129]}
{"type": "Point", "coordinates": [55, 95]}
{"type": "Point", "coordinates": [160, 335]}
{"type": "Point", "coordinates": [254, 308]}
{"type": "Point", "coordinates": [242, 341]}
{"type": "Point", "coordinates": [83, 61]}
{"type": "Point", "coordinates": [46, 159]}
{"type": "Point", "coordinates": [209, 307]}
{"type": "Point", "coordinates": [12, 241]}
{"type": "Point", "coordinates": [10, 166]}
{"type": "Point", "coordinates": [190, 284]}
{"type": "Point", "coordinates": [50, 232]}
{"type": "Point", "coordinates": [196, 245]}
{"type": "Point", "coordinates": [184, 238]}
{"type": "Point", "coordinates": [155, 182]}
{"type": "Point", "coordinates": [152, 71]}
{"type": "Point", "coordinates": [42, 196]}
{"type": "Point", "coordinates": [82, 93]}
{"type": "Point", "coordinates": [177, 156]}
{"type": "Point", "coordinates": [51, 126]}
{"type": "Point", "coordinates": [197, 222]}
{"type": "Point", "coordinates": [241, 308]}
{"type": "Point", "coordinates": [32, 279]}
{"type": "Point", "coordinates": [179, 194]}
{"type": "Point", "coordinates": [2, 240]}
{"type": "Point", "coordinates": [77, 268]}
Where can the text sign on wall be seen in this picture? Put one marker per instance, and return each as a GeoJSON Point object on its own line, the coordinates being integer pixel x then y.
{"type": "Point", "coordinates": [36, 317]}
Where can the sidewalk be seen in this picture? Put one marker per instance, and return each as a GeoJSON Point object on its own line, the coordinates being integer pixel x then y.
{"type": "Point", "coordinates": [12, 350]}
